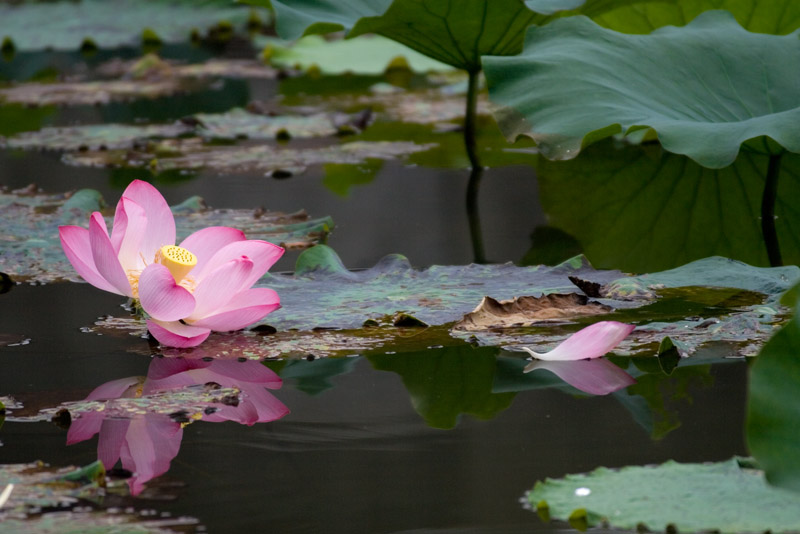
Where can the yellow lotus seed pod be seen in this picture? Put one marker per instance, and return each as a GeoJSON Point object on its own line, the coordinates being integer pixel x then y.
{"type": "Point", "coordinates": [178, 260]}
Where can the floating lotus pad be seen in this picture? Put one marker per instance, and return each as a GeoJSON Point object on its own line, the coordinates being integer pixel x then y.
{"type": "Point", "coordinates": [38, 486]}
{"type": "Point", "coordinates": [193, 153]}
{"type": "Point", "coordinates": [90, 93]}
{"type": "Point", "coordinates": [32, 251]}
{"type": "Point", "coordinates": [694, 85]}
{"type": "Point", "coordinates": [63, 25]}
{"type": "Point", "coordinates": [723, 497]}
{"type": "Point", "coordinates": [235, 124]}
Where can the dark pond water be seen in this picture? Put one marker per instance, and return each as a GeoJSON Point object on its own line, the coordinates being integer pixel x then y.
{"type": "Point", "coordinates": [356, 453]}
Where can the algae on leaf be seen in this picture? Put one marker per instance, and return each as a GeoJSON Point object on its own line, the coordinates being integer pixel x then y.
{"type": "Point", "coordinates": [723, 497]}
{"type": "Point", "coordinates": [705, 88]}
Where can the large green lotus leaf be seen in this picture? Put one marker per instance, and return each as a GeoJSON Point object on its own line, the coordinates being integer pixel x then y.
{"type": "Point", "coordinates": [32, 251]}
{"type": "Point", "coordinates": [773, 409]}
{"type": "Point", "coordinates": [371, 54]}
{"type": "Point", "coordinates": [705, 88]}
{"type": "Point", "coordinates": [446, 383]}
{"type": "Point", "coordinates": [763, 16]}
{"type": "Point", "coordinates": [722, 497]}
{"type": "Point", "coordinates": [643, 209]}
{"type": "Point", "coordinates": [63, 25]}
{"type": "Point", "coordinates": [454, 32]}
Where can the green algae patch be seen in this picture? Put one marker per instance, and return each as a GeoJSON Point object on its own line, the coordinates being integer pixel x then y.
{"type": "Point", "coordinates": [31, 250]}
{"type": "Point", "coordinates": [724, 497]}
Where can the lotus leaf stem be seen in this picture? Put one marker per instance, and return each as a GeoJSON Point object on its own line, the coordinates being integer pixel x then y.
{"type": "Point", "coordinates": [768, 211]}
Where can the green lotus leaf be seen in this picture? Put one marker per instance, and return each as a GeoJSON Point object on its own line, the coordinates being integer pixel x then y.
{"type": "Point", "coordinates": [643, 209]}
{"type": "Point", "coordinates": [722, 497]}
{"type": "Point", "coordinates": [457, 33]}
{"type": "Point", "coordinates": [63, 25]}
{"type": "Point", "coordinates": [705, 88]}
{"type": "Point", "coordinates": [770, 16]}
{"type": "Point", "coordinates": [773, 411]}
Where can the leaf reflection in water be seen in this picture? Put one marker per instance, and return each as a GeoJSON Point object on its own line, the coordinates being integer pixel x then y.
{"type": "Point", "coordinates": [597, 377]}
{"type": "Point", "coordinates": [147, 442]}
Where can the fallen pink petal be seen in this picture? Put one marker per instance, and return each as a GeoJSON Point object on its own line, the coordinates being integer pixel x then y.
{"type": "Point", "coordinates": [593, 341]}
{"type": "Point", "coordinates": [187, 290]}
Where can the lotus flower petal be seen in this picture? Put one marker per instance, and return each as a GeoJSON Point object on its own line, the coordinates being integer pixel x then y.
{"type": "Point", "coordinates": [597, 377]}
{"type": "Point", "coordinates": [262, 253]}
{"type": "Point", "coordinates": [215, 290]}
{"type": "Point", "coordinates": [242, 310]}
{"type": "Point", "coordinates": [591, 342]}
{"type": "Point", "coordinates": [151, 442]}
{"type": "Point", "coordinates": [208, 241]}
{"type": "Point", "coordinates": [130, 226]}
{"type": "Point", "coordinates": [161, 297]}
{"type": "Point", "coordinates": [105, 258]}
{"type": "Point", "coordinates": [160, 222]}
{"type": "Point", "coordinates": [177, 334]}
{"type": "Point", "coordinates": [115, 389]}
{"type": "Point", "coordinates": [84, 427]}
{"type": "Point", "coordinates": [109, 444]}
{"type": "Point", "coordinates": [77, 248]}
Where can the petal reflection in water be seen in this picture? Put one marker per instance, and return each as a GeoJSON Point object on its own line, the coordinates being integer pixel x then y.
{"type": "Point", "coordinates": [597, 377]}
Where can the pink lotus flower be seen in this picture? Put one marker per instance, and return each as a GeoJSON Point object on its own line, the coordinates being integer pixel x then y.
{"type": "Point", "coordinates": [189, 290]}
{"type": "Point", "coordinates": [591, 342]}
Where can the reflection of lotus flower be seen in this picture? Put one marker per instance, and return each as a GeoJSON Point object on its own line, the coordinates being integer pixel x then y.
{"type": "Point", "coordinates": [146, 444]}
{"type": "Point", "coordinates": [591, 342]}
{"type": "Point", "coordinates": [188, 290]}
{"type": "Point", "coordinates": [598, 377]}
{"type": "Point", "coordinates": [256, 404]}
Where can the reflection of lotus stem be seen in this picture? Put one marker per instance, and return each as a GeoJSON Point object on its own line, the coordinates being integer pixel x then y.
{"type": "Point", "coordinates": [477, 170]}
{"type": "Point", "coordinates": [768, 211]}
{"type": "Point", "coordinates": [473, 216]}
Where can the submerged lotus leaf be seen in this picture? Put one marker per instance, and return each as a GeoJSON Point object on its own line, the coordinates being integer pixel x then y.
{"type": "Point", "coordinates": [362, 55]}
{"type": "Point", "coordinates": [152, 66]}
{"type": "Point", "coordinates": [629, 195]}
{"type": "Point", "coordinates": [63, 25]}
{"type": "Point", "coordinates": [773, 416]}
{"type": "Point", "coordinates": [526, 311]}
{"type": "Point", "coordinates": [193, 153]}
{"type": "Point", "coordinates": [92, 136]}
{"type": "Point", "coordinates": [723, 497]}
{"type": "Point", "coordinates": [31, 249]}
{"type": "Point", "coordinates": [705, 88]}
{"type": "Point", "coordinates": [183, 405]}
{"type": "Point", "coordinates": [774, 16]}
{"type": "Point", "coordinates": [37, 485]}
{"type": "Point", "coordinates": [239, 123]}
